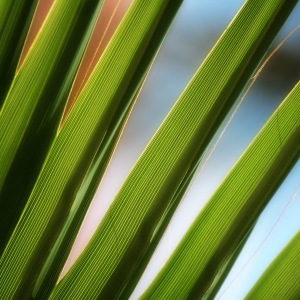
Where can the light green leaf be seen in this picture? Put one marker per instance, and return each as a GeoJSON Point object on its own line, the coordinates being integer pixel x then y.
{"type": "Point", "coordinates": [281, 279]}
{"type": "Point", "coordinates": [226, 267]}
{"type": "Point", "coordinates": [125, 233]}
{"type": "Point", "coordinates": [34, 106]}
{"type": "Point", "coordinates": [53, 266]}
{"type": "Point", "coordinates": [75, 147]}
{"type": "Point", "coordinates": [233, 209]}
{"type": "Point", "coordinates": [5, 9]}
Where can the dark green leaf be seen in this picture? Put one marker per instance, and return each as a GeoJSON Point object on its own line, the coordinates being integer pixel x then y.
{"type": "Point", "coordinates": [75, 147]}
{"type": "Point", "coordinates": [15, 16]}
{"type": "Point", "coordinates": [35, 103]}
{"type": "Point", "coordinates": [125, 232]}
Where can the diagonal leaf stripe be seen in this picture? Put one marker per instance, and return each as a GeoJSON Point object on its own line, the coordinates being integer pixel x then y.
{"type": "Point", "coordinates": [15, 19]}
{"type": "Point", "coordinates": [53, 266]}
{"type": "Point", "coordinates": [58, 255]}
{"type": "Point", "coordinates": [226, 268]}
{"type": "Point", "coordinates": [235, 206]}
{"type": "Point", "coordinates": [159, 231]}
{"type": "Point", "coordinates": [74, 149]}
{"type": "Point", "coordinates": [5, 9]}
{"type": "Point", "coordinates": [35, 103]}
{"type": "Point", "coordinates": [126, 230]}
{"type": "Point", "coordinates": [27, 83]}
{"type": "Point", "coordinates": [281, 279]}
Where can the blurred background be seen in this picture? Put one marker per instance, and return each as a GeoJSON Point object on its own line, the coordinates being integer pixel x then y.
{"type": "Point", "coordinates": [196, 28]}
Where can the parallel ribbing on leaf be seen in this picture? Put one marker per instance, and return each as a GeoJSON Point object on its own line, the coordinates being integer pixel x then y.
{"type": "Point", "coordinates": [233, 208]}
{"type": "Point", "coordinates": [130, 221]}
{"type": "Point", "coordinates": [5, 9]}
{"type": "Point", "coordinates": [42, 108]}
{"type": "Point", "coordinates": [76, 144]}
{"type": "Point", "coordinates": [281, 279]}
{"type": "Point", "coordinates": [15, 19]}
{"type": "Point", "coordinates": [52, 267]}
{"type": "Point", "coordinates": [30, 79]}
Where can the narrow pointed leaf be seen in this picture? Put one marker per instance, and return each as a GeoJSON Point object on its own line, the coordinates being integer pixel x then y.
{"type": "Point", "coordinates": [5, 9]}
{"type": "Point", "coordinates": [15, 16]}
{"type": "Point", "coordinates": [159, 231]}
{"type": "Point", "coordinates": [75, 147]}
{"type": "Point", "coordinates": [281, 279]}
{"type": "Point", "coordinates": [127, 228]}
{"type": "Point", "coordinates": [225, 269]}
{"type": "Point", "coordinates": [233, 209]}
{"type": "Point", "coordinates": [53, 266]}
{"type": "Point", "coordinates": [59, 253]}
{"type": "Point", "coordinates": [35, 103]}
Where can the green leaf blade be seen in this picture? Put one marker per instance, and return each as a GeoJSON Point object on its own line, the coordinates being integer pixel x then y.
{"type": "Point", "coordinates": [233, 209]}
{"type": "Point", "coordinates": [33, 76]}
{"type": "Point", "coordinates": [53, 266]}
{"type": "Point", "coordinates": [281, 279]}
{"type": "Point", "coordinates": [30, 117]}
{"type": "Point", "coordinates": [75, 147]}
{"type": "Point", "coordinates": [15, 19]}
{"type": "Point", "coordinates": [5, 9]}
{"type": "Point", "coordinates": [126, 230]}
